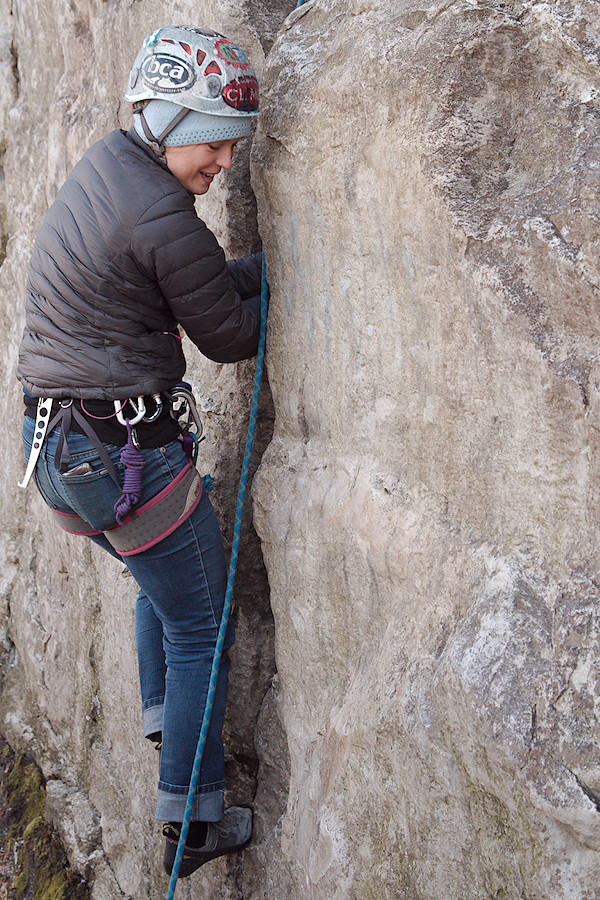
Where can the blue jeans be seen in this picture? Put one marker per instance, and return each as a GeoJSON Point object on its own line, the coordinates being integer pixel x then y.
{"type": "Point", "coordinates": [182, 584]}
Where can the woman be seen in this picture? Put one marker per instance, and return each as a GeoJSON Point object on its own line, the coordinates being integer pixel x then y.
{"type": "Point", "coordinates": [120, 261]}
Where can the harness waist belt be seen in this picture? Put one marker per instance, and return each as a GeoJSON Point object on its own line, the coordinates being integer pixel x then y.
{"type": "Point", "coordinates": [150, 523]}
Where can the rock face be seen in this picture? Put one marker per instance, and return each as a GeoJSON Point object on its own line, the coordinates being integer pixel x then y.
{"type": "Point", "coordinates": [428, 182]}
{"type": "Point", "coordinates": [427, 175]}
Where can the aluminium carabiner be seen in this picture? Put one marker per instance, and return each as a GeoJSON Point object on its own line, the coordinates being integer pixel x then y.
{"type": "Point", "coordinates": [140, 411]}
{"type": "Point", "coordinates": [159, 408]}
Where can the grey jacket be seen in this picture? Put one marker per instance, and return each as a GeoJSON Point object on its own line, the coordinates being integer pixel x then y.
{"type": "Point", "coordinates": [121, 259]}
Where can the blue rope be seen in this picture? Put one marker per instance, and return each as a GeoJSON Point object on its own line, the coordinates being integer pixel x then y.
{"type": "Point", "coordinates": [229, 591]}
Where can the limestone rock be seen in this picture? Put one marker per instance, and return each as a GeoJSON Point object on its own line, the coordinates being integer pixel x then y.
{"type": "Point", "coordinates": [428, 182]}
{"type": "Point", "coordinates": [8, 90]}
{"type": "Point", "coordinates": [427, 175]}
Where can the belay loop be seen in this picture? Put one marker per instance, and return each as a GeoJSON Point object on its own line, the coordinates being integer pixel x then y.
{"type": "Point", "coordinates": [133, 463]}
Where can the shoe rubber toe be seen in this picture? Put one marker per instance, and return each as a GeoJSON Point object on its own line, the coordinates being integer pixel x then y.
{"type": "Point", "coordinates": [231, 833]}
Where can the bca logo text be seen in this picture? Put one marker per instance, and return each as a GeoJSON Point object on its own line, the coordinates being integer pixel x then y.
{"type": "Point", "coordinates": [167, 73]}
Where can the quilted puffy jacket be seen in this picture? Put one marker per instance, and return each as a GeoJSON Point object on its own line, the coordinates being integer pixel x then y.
{"type": "Point", "coordinates": [121, 259]}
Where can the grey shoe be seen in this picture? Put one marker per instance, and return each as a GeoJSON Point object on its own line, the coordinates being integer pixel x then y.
{"type": "Point", "coordinates": [231, 833]}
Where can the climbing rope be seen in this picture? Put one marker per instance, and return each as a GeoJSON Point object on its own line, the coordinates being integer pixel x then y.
{"type": "Point", "coordinates": [133, 463]}
{"type": "Point", "coordinates": [212, 686]}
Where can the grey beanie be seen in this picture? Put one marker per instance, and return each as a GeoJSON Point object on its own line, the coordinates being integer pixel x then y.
{"type": "Point", "coordinates": [194, 128]}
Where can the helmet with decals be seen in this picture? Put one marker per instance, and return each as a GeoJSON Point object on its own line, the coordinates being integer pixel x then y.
{"type": "Point", "coordinates": [191, 69]}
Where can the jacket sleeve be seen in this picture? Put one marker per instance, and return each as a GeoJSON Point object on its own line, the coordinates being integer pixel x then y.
{"type": "Point", "coordinates": [174, 248]}
{"type": "Point", "coordinates": [246, 274]}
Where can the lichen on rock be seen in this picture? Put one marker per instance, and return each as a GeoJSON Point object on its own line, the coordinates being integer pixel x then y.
{"type": "Point", "coordinates": [41, 870]}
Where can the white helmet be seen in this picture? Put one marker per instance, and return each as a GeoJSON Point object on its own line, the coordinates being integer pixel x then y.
{"type": "Point", "coordinates": [193, 69]}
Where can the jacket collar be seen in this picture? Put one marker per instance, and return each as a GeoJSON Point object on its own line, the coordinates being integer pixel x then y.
{"type": "Point", "coordinates": [160, 161]}
{"type": "Point", "coordinates": [136, 139]}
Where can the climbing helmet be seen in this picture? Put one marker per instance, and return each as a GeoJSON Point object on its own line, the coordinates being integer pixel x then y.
{"type": "Point", "coordinates": [195, 68]}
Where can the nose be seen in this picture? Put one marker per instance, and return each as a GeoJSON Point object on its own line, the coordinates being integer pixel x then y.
{"type": "Point", "coordinates": [225, 157]}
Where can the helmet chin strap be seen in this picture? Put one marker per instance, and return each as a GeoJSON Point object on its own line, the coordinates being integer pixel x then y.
{"type": "Point", "coordinates": [156, 143]}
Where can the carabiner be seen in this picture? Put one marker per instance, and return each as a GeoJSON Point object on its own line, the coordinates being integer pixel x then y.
{"type": "Point", "coordinates": [186, 414]}
{"type": "Point", "coordinates": [159, 408]}
{"type": "Point", "coordinates": [140, 411]}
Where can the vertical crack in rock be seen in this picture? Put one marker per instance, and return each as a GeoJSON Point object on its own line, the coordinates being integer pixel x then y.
{"type": "Point", "coordinates": [15, 67]}
{"type": "Point", "coordinates": [266, 16]}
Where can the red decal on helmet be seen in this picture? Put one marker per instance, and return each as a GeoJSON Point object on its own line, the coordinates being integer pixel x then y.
{"type": "Point", "coordinates": [242, 94]}
{"type": "Point", "coordinates": [187, 48]}
{"type": "Point", "coordinates": [200, 57]}
{"type": "Point", "coordinates": [232, 54]}
{"type": "Point", "coordinates": [213, 69]}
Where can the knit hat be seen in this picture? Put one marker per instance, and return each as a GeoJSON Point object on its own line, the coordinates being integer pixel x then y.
{"type": "Point", "coordinates": [194, 128]}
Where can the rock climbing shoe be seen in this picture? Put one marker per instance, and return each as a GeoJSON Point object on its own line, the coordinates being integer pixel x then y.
{"type": "Point", "coordinates": [231, 833]}
{"type": "Point", "coordinates": [156, 739]}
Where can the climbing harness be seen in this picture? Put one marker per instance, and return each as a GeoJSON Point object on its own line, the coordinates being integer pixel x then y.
{"type": "Point", "coordinates": [212, 686]}
{"type": "Point", "coordinates": [44, 426]}
{"type": "Point", "coordinates": [137, 528]}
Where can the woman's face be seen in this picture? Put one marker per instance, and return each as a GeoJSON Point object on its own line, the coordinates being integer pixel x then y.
{"type": "Point", "coordinates": [196, 165]}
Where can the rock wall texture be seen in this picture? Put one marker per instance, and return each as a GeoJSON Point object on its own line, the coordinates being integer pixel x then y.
{"type": "Point", "coordinates": [428, 179]}
{"type": "Point", "coordinates": [427, 175]}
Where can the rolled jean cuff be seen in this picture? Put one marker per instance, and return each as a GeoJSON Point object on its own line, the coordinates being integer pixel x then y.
{"type": "Point", "coordinates": [207, 807]}
{"type": "Point", "coordinates": [153, 719]}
